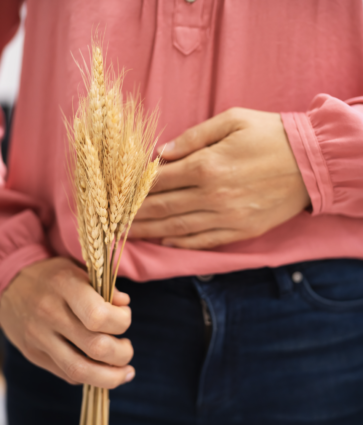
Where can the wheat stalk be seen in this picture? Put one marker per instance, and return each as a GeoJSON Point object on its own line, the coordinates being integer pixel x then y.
{"type": "Point", "coordinates": [112, 173]}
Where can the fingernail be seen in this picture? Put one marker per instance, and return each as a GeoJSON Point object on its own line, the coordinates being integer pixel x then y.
{"type": "Point", "coordinates": [130, 375]}
{"type": "Point", "coordinates": [167, 147]}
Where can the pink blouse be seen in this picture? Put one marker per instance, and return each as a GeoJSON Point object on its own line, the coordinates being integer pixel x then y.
{"type": "Point", "coordinates": [195, 60]}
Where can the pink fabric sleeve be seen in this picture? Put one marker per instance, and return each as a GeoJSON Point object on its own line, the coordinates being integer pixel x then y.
{"type": "Point", "coordinates": [9, 23]}
{"type": "Point", "coordinates": [22, 240]}
{"type": "Point", "coordinates": [327, 142]}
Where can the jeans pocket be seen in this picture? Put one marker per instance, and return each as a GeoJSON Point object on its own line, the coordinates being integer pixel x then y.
{"type": "Point", "coordinates": [337, 291]}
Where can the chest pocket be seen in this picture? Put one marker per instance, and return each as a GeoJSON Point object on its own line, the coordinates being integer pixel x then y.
{"type": "Point", "coordinates": [191, 24]}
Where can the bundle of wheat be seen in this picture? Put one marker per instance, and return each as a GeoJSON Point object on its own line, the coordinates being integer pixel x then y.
{"type": "Point", "coordinates": [112, 142]}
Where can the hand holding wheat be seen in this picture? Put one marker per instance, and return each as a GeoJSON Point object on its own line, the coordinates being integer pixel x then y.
{"type": "Point", "coordinates": [59, 322]}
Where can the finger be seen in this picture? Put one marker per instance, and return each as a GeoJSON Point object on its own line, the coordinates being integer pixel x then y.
{"type": "Point", "coordinates": [173, 176]}
{"type": "Point", "coordinates": [180, 225]}
{"type": "Point", "coordinates": [79, 368]}
{"type": "Point", "coordinates": [94, 312]}
{"type": "Point", "coordinates": [205, 240]}
{"type": "Point", "coordinates": [43, 361]}
{"type": "Point", "coordinates": [120, 298]}
{"type": "Point", "coordinates": [98, 346]}
{"type": "Point", "coordinates": [166, 204]}
{"type": "Point", "coordinates": [201, 135]}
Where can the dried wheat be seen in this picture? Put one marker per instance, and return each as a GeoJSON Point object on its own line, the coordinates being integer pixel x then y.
{"type": "Point", "coordinates": [112, 174]}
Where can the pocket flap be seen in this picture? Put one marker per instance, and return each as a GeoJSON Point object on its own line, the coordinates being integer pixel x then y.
{"type": "Point", "coordinates": [187, 39]}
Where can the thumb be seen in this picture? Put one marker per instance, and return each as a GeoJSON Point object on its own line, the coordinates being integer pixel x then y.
{"type": "Point", "coordinates": [208, 132]}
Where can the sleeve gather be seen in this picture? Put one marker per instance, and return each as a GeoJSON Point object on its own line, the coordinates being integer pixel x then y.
{"type": "Point", "coordinates": [327, 142]}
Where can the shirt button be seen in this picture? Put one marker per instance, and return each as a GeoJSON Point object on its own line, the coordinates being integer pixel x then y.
{"type": "Point", "coordinates": [190, 1]}
{"type": "Point", "coordinates": [297, 277]}
{"type": "Point", "coordinates": [205, 277]}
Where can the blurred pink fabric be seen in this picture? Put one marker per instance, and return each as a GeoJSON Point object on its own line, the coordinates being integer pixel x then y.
{"type": "Point", "coordinates": [301, 58]}
{"type": "Point", "coordinates": [2, 134]}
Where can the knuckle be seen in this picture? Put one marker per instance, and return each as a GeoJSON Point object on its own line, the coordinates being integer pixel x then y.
{"type": "Point", "coordinates": [190, 136]}
{"type": "Point", "coordinates": [95, 318]}
{"type": "Point", "coordinates": [66, 275]}
{"type": "Point", "coordinates": [76, 371]}
{"type": "Point", "coordinates": [158, 208]}
{"type": "Point", "coordinates": [127, 318]}
{"type": "Point", "coordinates": [44, 308]}
{"type": "Point", "coordinates": [233, 115]}
{"type": "Point", "coordinates": [204, 168]}
{"type": "Point", "coordinates": [100, 347]}
{"type": "Point", "coordinates": [127, 350]}
{"type": "Point", "coordinates": [178, 226]}
{"type": "Point", "coordinates": [62, 277]}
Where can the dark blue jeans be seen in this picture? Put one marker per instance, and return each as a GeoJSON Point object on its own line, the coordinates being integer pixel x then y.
{"type": "Point", "coordinates": [285, 348]}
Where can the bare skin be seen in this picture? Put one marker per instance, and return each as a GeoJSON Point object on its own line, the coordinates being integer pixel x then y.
{"type": "Point", "coordinates": [231, 178]}
{"type": "Point", "coordinates": [50, 306]}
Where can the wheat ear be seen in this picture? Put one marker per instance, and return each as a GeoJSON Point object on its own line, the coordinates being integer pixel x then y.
{"type": "Point", "coordinates": [97, 101]}
{"type": "Point", "coordinates": [95, 242]}
{"type": "Point", "coordinates": [111, 163]}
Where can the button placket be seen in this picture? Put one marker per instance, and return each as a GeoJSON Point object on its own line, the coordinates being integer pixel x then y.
{"type": "Point", "coordinates": [189, 23]}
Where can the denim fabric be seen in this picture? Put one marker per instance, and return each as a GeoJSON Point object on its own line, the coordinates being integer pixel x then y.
{"type": "Point", "coordinates": [280, 353]}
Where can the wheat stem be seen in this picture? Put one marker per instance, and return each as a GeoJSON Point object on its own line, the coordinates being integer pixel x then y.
{"type": "Point", "coordinates": [84, 405]}
{"type": "Point", "coordinates": [90, 405]}
{"type": "Point", "coordinates": [105, 407]}
{"type": "Point", "coordinates": [118, 264]}
{"type": "Point", "coordinates": [98, 404]}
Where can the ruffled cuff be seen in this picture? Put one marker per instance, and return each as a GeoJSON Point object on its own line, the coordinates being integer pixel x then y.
{"type": "Point", "coordinates": [22, 242]}
{"type": "Point", "coordinates": [327, 142]}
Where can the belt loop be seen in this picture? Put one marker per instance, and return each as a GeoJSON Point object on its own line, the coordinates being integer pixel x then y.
{"type": "Point", "coordinates": [284, 282]}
